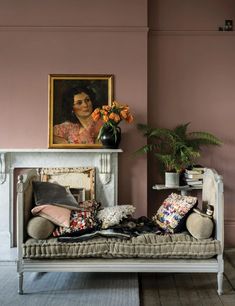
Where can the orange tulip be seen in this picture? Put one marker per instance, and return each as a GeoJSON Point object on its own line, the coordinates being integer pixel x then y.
{"type": "Point", "coordinates": [96, 111]}
{"type": "Point", "coordinates": [129, 118]}
{"type": "Point", "coordinates": [126, 108]}
{"type": "Point", "coordinates": [105, 118]}
{"type": "Point", "coordinates": [123, 114]}
{"type": "Point", "coordinates": [115, 104]}
{"type": "Point", "coordinates": [112, 116]}
{"type": "Point", "coordinates": [106, 107]}
{"type": "Point", "coordinates": [117, 118]}
{"type": "Point", "coordinates": [95, 116]}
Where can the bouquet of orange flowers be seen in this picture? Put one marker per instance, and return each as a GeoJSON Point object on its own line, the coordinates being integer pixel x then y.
{"type": "Point", "coordinates": [112, 116]}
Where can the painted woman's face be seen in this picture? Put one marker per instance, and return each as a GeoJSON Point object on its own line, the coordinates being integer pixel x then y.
{"type": "Point", "coordinates": [82, 105]}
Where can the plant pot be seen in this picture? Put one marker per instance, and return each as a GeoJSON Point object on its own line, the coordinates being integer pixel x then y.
{"type": "Point", "coordinates": [172, 179]}
{"type": "Point", "coordinates": [109, 138]}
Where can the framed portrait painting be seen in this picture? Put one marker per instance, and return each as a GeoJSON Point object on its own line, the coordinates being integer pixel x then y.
{"type": "Point", "coordinates": [72, 99]}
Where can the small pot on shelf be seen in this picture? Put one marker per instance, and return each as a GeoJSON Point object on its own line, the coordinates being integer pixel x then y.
{"type": "Point", "coordinates": [172, 179]}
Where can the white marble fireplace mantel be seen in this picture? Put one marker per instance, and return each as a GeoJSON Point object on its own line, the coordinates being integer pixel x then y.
{"type": "Point", "coordinates": [104, 160]}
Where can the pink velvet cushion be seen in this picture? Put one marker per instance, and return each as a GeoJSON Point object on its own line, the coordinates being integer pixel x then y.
{"type": "Point", "coordinates": [57, 215]}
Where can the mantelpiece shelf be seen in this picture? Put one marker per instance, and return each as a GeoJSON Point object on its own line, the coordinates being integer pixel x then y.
{"type": "Point", "coordinates": [61, 150]}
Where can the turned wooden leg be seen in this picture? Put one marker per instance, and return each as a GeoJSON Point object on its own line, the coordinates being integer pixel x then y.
{"type": "Point", "coordinates": [220, 283]}
{"type": "Point", "coordinates": [20, 284]}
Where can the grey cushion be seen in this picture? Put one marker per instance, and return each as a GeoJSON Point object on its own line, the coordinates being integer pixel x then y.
{"type": "Point", "coordinates": [200, 226]}
{"type": "Point", "coordinates": [54, 194]}
{"type": "Point", "coordinates": [40, 228]}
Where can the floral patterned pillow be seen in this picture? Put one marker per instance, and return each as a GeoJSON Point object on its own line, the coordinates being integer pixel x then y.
{"type": "Point", "coordinates": [80, 221]}
{"type": "Point", "coordinates": [173, 212]}
{"type": "Point", "coordinates": [90, 205]}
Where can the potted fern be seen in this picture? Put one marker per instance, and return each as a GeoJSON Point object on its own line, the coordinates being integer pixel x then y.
{"type": "Point", "coordinates": [176, 149]}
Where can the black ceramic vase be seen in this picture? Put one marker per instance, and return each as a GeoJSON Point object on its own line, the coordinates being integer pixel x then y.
{"type": "Point", "coordinates": [109, 138]}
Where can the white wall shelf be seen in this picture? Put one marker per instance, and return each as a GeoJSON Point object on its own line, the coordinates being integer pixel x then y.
{"type": "Point", "coordinates": [183, 189]}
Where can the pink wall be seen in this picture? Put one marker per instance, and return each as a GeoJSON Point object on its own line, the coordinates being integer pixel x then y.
{"type": "Point", "coordinates": [75, 37]}
{"type": "Point", "coordinates": [192, 79]}
{"type": "Point", "coordinates": [74, 13]}
{"type": "Point", "coordinates": [191, 75]}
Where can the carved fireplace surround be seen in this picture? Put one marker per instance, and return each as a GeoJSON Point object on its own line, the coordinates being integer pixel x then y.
{"type": "Point", "coordinates": [105, 162]}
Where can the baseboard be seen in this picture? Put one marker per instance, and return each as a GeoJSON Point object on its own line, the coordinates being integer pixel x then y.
{"type": "Point", "coordinates": [9, 262]}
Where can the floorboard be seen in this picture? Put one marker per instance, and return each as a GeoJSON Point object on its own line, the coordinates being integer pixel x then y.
{"type": "Point", "coordinates": [206, 285]}
{"type": "Point", "coordinates": [149, 294]}
{"type": "Point", "coordinates": [193, 289]}
{"type": "Point", "coordinates": [187, 294]}
{"type": "Point", "coordinates": [168, 294]}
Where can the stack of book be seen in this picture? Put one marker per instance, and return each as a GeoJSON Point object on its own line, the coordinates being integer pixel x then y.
{"type": "Point", "coordinates": [194, 176]}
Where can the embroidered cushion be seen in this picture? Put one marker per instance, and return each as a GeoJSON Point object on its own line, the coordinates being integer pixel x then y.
{"type": "Point", "coordinates": [80, 221]}
{"type": "Point", "coordinates": [172, 214]}
{"type": "Point", "coordinates": [56, 214]}
{"type": "Point", "coordinates": [90, 205]}
{"type": "Point", "coordinates": [54, 194]}
{"type": "Point", "coordinates": [110, 216]}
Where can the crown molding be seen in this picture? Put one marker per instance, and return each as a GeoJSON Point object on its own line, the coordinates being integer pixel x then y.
{"type": "Point", "coordinates": [178, 32]}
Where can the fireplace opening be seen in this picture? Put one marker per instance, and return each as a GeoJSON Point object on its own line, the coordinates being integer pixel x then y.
{"type": "Point", "coordinates": [79, 180]}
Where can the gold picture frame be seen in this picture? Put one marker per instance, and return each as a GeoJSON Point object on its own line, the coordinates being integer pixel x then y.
{"type": "Point", "coordinates": [71, 101]}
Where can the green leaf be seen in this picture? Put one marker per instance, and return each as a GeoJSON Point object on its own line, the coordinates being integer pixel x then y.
{"type": "Point", "coordinates": [205, 138]}
{"type": "Point", "coordinates": [145, 129]}
{"type": "Point", "coordinates": [181, 130]}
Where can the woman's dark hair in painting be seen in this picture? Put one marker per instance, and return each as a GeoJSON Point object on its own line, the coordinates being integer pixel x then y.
{"type": "Point", "coordinates": [68, 101]}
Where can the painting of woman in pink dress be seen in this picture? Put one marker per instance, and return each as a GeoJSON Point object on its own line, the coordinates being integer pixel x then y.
{"type": "Point", "coordinates": [74, 126]}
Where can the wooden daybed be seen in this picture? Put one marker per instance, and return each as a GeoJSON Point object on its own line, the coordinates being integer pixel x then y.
{"type": "Point", "coordinates": [147, 253]}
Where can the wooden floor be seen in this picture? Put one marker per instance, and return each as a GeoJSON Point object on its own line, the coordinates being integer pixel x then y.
{"type": "Point", "coordinates": [167, 289]}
